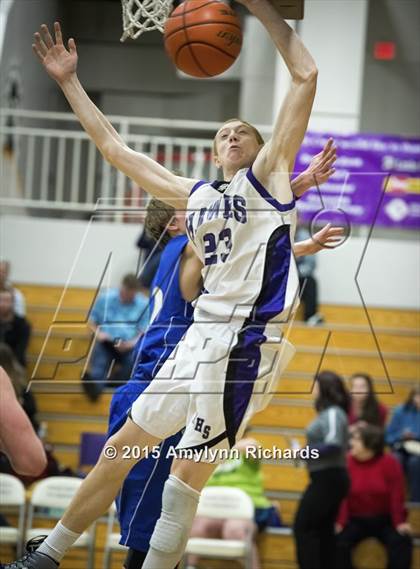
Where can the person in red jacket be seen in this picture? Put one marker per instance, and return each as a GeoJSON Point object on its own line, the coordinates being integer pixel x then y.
{"type": "Point", "coordinates": [374, 507]}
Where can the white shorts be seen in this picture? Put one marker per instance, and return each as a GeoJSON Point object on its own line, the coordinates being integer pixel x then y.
{"type": "Point", "coordinates": [215, 380]}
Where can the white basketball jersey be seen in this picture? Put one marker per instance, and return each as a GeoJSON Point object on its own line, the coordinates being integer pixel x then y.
{"type": "Point", "coordinates": [244, 237]}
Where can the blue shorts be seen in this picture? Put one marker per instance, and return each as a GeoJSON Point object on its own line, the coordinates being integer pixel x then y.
{"type": "Point", "coordinates": [140, 500]}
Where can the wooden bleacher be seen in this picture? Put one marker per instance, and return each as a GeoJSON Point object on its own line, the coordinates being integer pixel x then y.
{"type": "Point", "coordinates": [63, 340]}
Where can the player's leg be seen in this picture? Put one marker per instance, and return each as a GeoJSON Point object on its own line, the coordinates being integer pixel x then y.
{"type": "Point", "coordinates": [179, 505]}
{"type": "Point", "coordinates": [102, 484]}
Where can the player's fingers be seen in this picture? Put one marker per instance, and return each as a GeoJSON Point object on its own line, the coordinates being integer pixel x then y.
{"type": "Point", "coordinates": [328, 146]}
{"type": "Point", "coordinates": [324, 175]}
{"type": "Point", "coordinates": [47, 36]}
{"type": "Point", "coordinates": [72, 46]}
{"type": "Point", "coordinates": [336, 232]}
{"type": "Point", "coordinates": [333, 242]}
{"type": "Point", "coordinates": [325, 228]}
{"type": "Point", "coordinates": [40, 45]}
{"type": "Point", "coordinates": [328, 164]}
{"type": "Point", "coordinates": [37, 53]}
{"type": "Point", "coordinates": [322, 233]}
{"type": "Point", "coordinates": [58, 34]}
{"type": "Point", "coordinates": [331, 155]}
{"type": "Point", "coordinates": [327, 161]}
{"type": "Point", "coordinates": [334, 236]}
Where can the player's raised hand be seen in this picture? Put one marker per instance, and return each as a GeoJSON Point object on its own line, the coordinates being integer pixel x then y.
{"type": "Point", "coordinates": [59, 62]}
{"type": "Point", "coordinates": [327, 238]}
{"type": "Point", "coordinates": [321, 167]}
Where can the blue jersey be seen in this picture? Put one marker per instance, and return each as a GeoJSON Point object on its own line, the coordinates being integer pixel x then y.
{"type": "Point", "coordinates": [170, 314]}
{"type": "Point", "coordinates": [140, 500]}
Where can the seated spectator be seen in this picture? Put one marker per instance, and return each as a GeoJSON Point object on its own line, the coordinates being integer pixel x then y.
{"type": "Point", "coordinates": [17, 376]}
{"type": "Point", "coordinates": [309, 288]}
{"type": "Point", "coordinates": [118, 318]}
{"type": "Point", "coordinates": [243, 473]}
{"type": "Point", "coordinates": [19, 299]}
{"type": "Point", "coordinates": [374, 506]}
{"type": "Point", "coordinates": [364, 405]}
{"type": "Point", "coordinates": [18, 440]}
{"type": "Point", "coordinates": [14, 330]}
{"type": "Point", "coordinates": [403, 429]}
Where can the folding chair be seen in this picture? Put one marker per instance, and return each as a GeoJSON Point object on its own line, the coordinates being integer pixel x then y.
{"type": "Point", "coordinates": [12, 494]}
{"type": "Point", "coordinates": [55, 494]}
{"type": "Point", "coordinates": [112, 539]}
{"type": "Point", "coordinates": [223, 502]}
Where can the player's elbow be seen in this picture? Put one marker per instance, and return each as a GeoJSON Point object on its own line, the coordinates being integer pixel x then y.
{"type": "Point", "coordinates": [308, 75]}
{"type": "Point", "coordinates": [30, 464]}
{"type": "Point", "coordinates": [111, 150]}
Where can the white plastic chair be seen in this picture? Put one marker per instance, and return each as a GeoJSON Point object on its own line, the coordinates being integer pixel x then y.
{"type": "Point", "coordinates": [55, 493]}
{"type": "Point", "coordinates": [223, 503]}
{"type": "Point", "coordinates": [112, 539]}
{"type": "Point", "coordinates": [12, 493]}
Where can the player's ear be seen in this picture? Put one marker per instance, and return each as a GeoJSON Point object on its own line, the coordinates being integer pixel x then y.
{"type": "Point", "coordinates": [173, 225]}
{"type": "Point", "coordinates": [216, 161]}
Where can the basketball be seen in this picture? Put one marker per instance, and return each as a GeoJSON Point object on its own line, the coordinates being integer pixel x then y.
{"type": "Point", "coordinates": [203, 37]}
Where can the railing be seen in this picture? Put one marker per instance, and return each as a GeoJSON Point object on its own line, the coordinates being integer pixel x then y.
{"type": "Point", "coordinates": [48, 162]}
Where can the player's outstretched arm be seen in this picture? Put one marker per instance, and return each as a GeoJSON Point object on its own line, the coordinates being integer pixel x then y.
{"type": "Point", "coordinates": [61, 64]}
{"type": "Point", "coordinates": [278, 155]}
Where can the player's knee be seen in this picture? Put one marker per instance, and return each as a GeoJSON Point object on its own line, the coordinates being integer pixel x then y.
{"type": "Point", "coordinates": [195, 477]}
{"type": "Point", "coordinates": [179, 504]}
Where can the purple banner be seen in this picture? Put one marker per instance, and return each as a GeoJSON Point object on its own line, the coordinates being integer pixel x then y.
{"type": "Point", "coordinates": [377, 179]}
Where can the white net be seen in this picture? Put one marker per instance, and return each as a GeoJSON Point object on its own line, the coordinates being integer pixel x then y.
{"type": "Point", "coordinates": [144, 16]}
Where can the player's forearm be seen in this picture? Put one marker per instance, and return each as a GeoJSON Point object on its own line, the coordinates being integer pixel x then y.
{"type": "Point", "coordinates": [299, 61]}
{"type": "Point", "coordinates": [301, 249]}
{"type": "Point", "coordinates": [92, 120]}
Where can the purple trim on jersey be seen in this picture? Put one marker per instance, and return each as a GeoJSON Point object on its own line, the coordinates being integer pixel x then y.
{"type": "Point", "coordinates": [197, 185]}
{"type": "Point", "coordinates": [268, 197]}
{"type": "Point", "coordinates": [245, 358]}
{"type": "Point", "coordinates": [273, 292]}
{"type": "Point", "coordinates": [242, 371]}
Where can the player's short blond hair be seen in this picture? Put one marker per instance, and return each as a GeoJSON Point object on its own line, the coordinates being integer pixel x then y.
{"type": "Point", "coordinates": [255, 131]}
{"type": "Point", "coordinates": [158, 217]}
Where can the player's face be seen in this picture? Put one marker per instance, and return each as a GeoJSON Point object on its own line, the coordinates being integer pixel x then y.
{"type": "Point", "coordinates": [236, 146]}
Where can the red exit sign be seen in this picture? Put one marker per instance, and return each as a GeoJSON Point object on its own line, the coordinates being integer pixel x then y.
{"type": "Point", "coordinates": [384, 50]}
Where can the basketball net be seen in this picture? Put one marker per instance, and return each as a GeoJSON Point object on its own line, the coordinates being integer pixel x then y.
{"type": "Point", "coordinates": [144, 16]}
